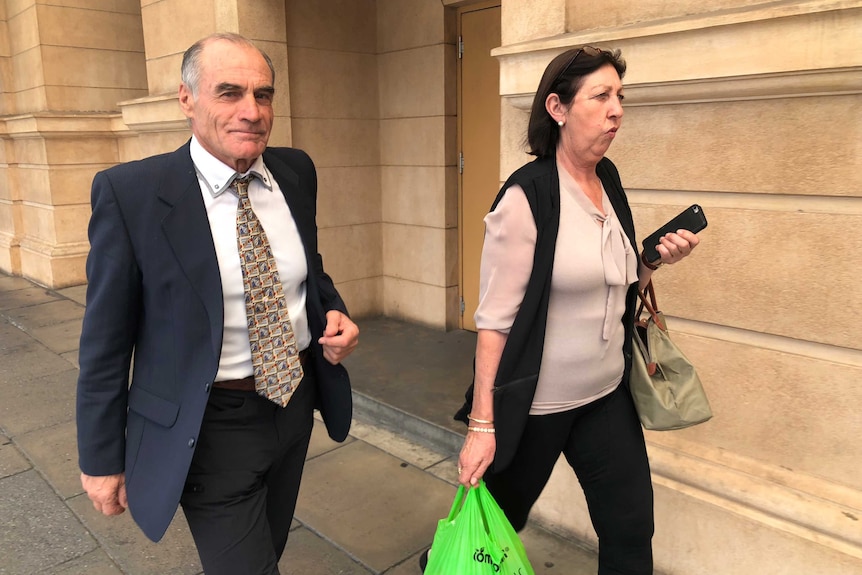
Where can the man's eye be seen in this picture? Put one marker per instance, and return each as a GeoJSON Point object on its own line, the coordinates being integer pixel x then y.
{"type": "Point", "coordinates": [264, 97]}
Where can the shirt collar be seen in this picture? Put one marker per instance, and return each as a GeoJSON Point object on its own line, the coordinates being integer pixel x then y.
{"type": "Point", "coordinates": [217, 176]}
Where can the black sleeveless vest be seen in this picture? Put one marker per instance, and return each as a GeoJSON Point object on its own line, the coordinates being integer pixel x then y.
{"type": "Point", "coordinates": [518, 372]}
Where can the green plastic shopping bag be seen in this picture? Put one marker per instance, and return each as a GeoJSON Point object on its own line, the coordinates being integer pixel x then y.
{"type": "Point", "coordinates": [476, 539]}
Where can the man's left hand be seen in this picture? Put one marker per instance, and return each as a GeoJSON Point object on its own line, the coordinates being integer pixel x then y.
{"type": "Point", "coordinates": [339, 338]}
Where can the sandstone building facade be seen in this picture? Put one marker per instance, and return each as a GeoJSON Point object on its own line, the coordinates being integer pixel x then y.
{"type": "Point", "coordinates": [750, 108]}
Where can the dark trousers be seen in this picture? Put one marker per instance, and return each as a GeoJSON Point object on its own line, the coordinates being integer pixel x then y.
{"type": "Point", "coordinates": [242, 486]}
{"type": "Point", "coordinates": [603, 442]}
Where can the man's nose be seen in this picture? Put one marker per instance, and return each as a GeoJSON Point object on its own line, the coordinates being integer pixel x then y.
{"type": "Point", "coordinates": [249, 108]}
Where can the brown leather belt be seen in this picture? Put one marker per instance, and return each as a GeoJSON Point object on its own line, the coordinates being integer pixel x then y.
{"type": "Point", "coordinates": [247, 383]}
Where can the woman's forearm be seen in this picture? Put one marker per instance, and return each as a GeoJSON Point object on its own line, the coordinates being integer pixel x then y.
{"type": "Point", "coordinates": [489, 349]}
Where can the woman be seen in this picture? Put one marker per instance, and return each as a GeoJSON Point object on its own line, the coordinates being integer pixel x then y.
{"type": "Point", "coordinates": [558, 286]}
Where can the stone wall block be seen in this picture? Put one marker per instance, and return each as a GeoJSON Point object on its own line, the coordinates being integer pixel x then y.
{"type": "Point", "coordinates": [329, 84]}
{"type": "Point", "coordinates": [412, 82]}
{"type": "Point", "coordinates": [348, 196]}
{"type": "Point", "coordinates": [337, 25]}
{"type": "Point", "coordinates": [421, 303]}
{"type": "Point", "coordinates": [411, 25]}
{"type": "Point", "coordinates": [420, 195]}
{"type": "Point", "coordinates": [772, 146]}
{"type": "Point", "coordinates": [769, 271]}
{"type": "Point", "coordinates": [351, 252]}
{"type": "Point", "coordinates": [338, 142]}
{"type": "Point", "coordinates": [80, 27]}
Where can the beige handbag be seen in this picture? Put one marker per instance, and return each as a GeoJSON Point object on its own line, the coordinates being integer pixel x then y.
{"type": "Point", "coordinates": [664, 384]}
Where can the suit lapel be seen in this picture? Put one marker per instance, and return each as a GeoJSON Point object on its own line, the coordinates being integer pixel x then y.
{"type": "Point", "coordinates": [187, 229]}
{"type": "Point", "coordinates": [298, 202]}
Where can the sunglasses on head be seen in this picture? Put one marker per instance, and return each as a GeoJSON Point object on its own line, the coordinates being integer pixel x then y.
{"type": "Point", "coordinates": [588, 50]}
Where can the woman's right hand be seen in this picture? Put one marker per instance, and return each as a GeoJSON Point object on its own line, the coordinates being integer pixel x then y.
{"type": "Point", "coordinates": [475, 458]}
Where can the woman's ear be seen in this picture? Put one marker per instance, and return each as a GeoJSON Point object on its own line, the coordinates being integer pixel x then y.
{"type": "Point", "coordinates": [555, 108]}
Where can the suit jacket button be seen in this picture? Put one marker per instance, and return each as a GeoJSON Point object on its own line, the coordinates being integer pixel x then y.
{"type": "Point", "coordinates": [207, 387]}
{"type": "Point", "coordinates": [192, 442]}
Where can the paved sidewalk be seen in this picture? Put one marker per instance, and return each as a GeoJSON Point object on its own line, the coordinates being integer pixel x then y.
{"type": "Point", "coordinates": [368, 505]}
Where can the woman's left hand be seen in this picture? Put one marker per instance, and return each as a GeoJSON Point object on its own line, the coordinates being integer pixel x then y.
{"type": "Point", "coordinates": [675, 246]}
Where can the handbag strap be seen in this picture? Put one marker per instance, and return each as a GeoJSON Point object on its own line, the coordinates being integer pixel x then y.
{"type": "Point", "coordinates": [648, 302]}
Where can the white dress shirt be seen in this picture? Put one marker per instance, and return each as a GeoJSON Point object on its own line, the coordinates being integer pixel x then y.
{"type": "Point", "coordinates": [271, 209]}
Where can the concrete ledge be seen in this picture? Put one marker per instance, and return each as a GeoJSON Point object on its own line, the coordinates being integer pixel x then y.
{"type": "Point", "coordinates": [403, 423]}
{"type": "Point", "coordinates": [808, 507]}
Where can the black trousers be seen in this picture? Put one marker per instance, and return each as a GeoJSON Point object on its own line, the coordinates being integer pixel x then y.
{"type": "Point", "coordinates": [244, 479]}
{"type": "Point", "coordinates": [604, 444]}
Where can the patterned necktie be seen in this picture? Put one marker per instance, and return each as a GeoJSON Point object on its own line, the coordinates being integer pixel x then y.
{"type": "Point", "coordinates": [274, 354]}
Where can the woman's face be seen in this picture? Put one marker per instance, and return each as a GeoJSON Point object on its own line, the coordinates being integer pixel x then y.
{"type": "Point", "coordinates": [593, 116]}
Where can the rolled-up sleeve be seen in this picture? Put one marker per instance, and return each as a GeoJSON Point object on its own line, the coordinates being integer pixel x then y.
{"type": "Point", "coordinates": [507, 261]}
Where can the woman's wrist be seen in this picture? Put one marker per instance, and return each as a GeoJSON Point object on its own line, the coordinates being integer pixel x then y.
{"type": "Point", "coordinates": [650, 266]}
{"type": "Point", "coordinates": [477, 420]}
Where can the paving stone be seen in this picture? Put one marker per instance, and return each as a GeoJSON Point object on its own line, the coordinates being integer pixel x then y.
{"type": "Point", "coordinates": [12, 337]}
{"type": "Point", "coordinates": [36, 403]}
{"type": "Point", "coordinates": [44, 314]}
{"type": "Point", "coordinates": [12, 461]}
{"type": "Point", "coordinates": [130, 549]}
{"type": "Point", "coordinates": [75, 293]}
{"type": "Point", "coordinates": [53, 450]}
{"type": "Point", "coordinates": [72, 357]}
{"type": "Point", "coordinates": [39, 531]}
{"type": "Point", "coordinates": [28, 296]}
{"type": "Point", "coordinates": [25, 358]}
{"type": "Point", "coordinates": [366, 502]}
{"type": "Point", "coordinates": [409, 566]}
{"type": "Point", "coordinates": [320, 442]}
{"type": "Point", "coordinates": [12, 283]}
{"type": "Point", "coordinates": [60, 337]}
{"type": "Point", "coordinates": [432, 382]}
{"type": "Point", "coordinates": [447, 470]}
{"type": "Point", "coordinates": [550, 554]}
{"type": "Point", "coordinates": [308, 553]}
{"type": "Point", "coordinates": [93, 563]}
{"type": "Point", "coordinates": [394, 444]}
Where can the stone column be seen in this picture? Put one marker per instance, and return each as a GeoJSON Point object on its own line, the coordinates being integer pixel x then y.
{"type": "Point", "coordinates": [63, 70]}
{"type": "Point", "coordinates": [170, 27]}
{"type": "Point", "coordinates": [418, 155]}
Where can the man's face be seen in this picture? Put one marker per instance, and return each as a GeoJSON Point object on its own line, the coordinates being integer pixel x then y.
{"type": "Point", "coordinates": [231, 116]}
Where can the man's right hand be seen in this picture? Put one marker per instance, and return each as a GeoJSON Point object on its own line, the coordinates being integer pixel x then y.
{"type": "Point", "coordinates": [107, 492]}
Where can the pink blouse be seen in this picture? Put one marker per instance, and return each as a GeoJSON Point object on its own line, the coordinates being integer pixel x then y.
{"type": "Point", "coordinates": [594, 264]}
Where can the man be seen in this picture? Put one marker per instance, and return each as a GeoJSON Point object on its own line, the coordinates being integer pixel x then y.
{"type": "Point", "coordinates": [236, 331]}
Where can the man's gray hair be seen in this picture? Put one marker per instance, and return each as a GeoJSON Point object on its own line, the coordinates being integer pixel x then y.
{"type": "Point", "coordinates": [191, 68]}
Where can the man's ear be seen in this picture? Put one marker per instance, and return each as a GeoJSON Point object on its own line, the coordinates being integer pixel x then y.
{"type": "Point", "coordinates": [187, 101]}
{"type": "Point", "coordinates": [555, 107]}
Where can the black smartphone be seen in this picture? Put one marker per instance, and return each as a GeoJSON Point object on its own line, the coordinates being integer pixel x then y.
{"type": "Point", "coordinates": [692, 219]}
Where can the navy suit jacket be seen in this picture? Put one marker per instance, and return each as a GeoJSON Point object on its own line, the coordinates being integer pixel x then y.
{"type": "Point", "coordinates": [154, 303]}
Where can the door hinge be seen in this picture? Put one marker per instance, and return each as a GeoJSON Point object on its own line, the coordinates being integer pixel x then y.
{"type": "Point", "coordinates": [460, 46]}
{"type": "Point", "coordinates": [462, 306]}
{"type": "Point", "coordinates": [460, 162]}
